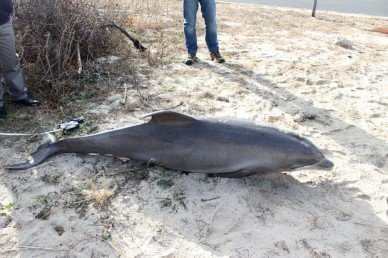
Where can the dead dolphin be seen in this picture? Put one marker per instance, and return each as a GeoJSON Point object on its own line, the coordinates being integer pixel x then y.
{"type": "Point", "coordinates": [223, 146]}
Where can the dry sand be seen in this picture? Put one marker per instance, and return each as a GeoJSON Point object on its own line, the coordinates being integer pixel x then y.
{"type": "Point", "coordinates": [284, 69]}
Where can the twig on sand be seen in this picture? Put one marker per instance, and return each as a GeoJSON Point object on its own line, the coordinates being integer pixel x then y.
{"type": "Point", "coordinates": [125, 94]}
{"type": "Point", "coordinates": [210, 199]}
{"type": "Point", "coordinates": [118, 252]}
{"type": "Point", "coordinates": [177, 105]}
{"type": "Point", "coordinates": [17, 248]}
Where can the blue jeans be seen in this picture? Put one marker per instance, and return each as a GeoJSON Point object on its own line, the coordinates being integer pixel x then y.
{"type": "Point", "coordinates": [208, 9]}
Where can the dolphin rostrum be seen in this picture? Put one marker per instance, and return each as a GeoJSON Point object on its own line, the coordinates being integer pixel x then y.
{"type": "Point", "coordinates": [225, 147]}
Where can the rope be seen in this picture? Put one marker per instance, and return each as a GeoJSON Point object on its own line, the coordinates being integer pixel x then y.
{"type": "Point", "coordinates": [65, 127]}
{"type": "Point", "coordinates": [29, 134]}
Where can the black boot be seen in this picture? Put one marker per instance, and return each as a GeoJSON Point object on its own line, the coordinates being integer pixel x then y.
{"type": "Point", "coordinates": [191, 59]}
{"type": "Point", "coordinates": [3, 112]}
{"type": "Point", "coordinates": [28, 102]}
{"type": "Point", "coordinates": [217, 57]}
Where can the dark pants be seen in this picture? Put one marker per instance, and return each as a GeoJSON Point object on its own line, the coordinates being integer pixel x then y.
{"type": "Point", "coordinates": [10, 65]}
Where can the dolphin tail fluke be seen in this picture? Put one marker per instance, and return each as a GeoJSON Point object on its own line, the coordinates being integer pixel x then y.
{"type": "Point", "coordinates": [41, 154]}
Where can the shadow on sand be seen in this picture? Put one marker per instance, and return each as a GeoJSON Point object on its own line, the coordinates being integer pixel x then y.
{"type": "Point", "coordinates": [372, 150]}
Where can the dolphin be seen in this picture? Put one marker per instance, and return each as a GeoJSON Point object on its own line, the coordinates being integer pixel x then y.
{"type": "Point", "coordinates": [225, 147]}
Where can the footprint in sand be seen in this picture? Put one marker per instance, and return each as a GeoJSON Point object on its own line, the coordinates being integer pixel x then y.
{"type": "Point", "coordinates": [375, 247]}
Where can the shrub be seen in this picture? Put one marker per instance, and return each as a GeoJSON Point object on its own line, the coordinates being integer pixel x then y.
{"type": "Point", "coordinates": [52, 36]}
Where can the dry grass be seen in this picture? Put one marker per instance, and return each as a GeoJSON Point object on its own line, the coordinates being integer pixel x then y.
{"type": "Point", "coordinates": [54, 36]}
{"type": "Point", "coordinates": [97, 195]}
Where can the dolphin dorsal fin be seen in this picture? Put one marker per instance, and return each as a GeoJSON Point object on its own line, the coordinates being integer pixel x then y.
{"type": "Point", "coordinates": [169, 117]}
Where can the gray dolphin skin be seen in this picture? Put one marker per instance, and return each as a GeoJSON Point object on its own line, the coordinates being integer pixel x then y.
{"type": "Point", "coordinates": [225, 147]}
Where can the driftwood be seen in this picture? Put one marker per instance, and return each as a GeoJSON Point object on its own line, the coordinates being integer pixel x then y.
{"type": "Point", "coordinates": [135, 41]}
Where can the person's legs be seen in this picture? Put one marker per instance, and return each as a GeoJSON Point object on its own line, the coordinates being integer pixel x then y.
{"type": "Point", "coordinates": [10, 65]}
{"type": "Point", "coordinates": [208, 9]}
{"type": "Point", "coordinates": [190, 8]}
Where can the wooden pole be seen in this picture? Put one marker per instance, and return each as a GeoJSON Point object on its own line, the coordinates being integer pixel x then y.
{"type": "Point", "coordinates": [315, 7]}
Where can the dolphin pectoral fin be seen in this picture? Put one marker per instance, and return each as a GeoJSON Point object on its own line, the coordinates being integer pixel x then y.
{"type": "Point", "coordinates": [169, 117]}
{"type": "Point", "coordinates": [237, 174]}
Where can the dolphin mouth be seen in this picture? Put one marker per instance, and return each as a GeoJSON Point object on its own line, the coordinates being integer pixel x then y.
{"type": "Point", "coordinates": [326, 164]}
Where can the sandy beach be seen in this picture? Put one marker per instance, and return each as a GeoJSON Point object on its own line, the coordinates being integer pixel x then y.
{"type": "Point", "coordinates": [323, 78]}
{"type": "Point", "coordinates": [368, 7]}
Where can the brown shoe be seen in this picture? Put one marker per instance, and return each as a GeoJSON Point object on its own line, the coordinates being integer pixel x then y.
{"type": "Point", "coordinates": [217, 57]}
{"type": "Point", "coordinates": [191, 58]}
